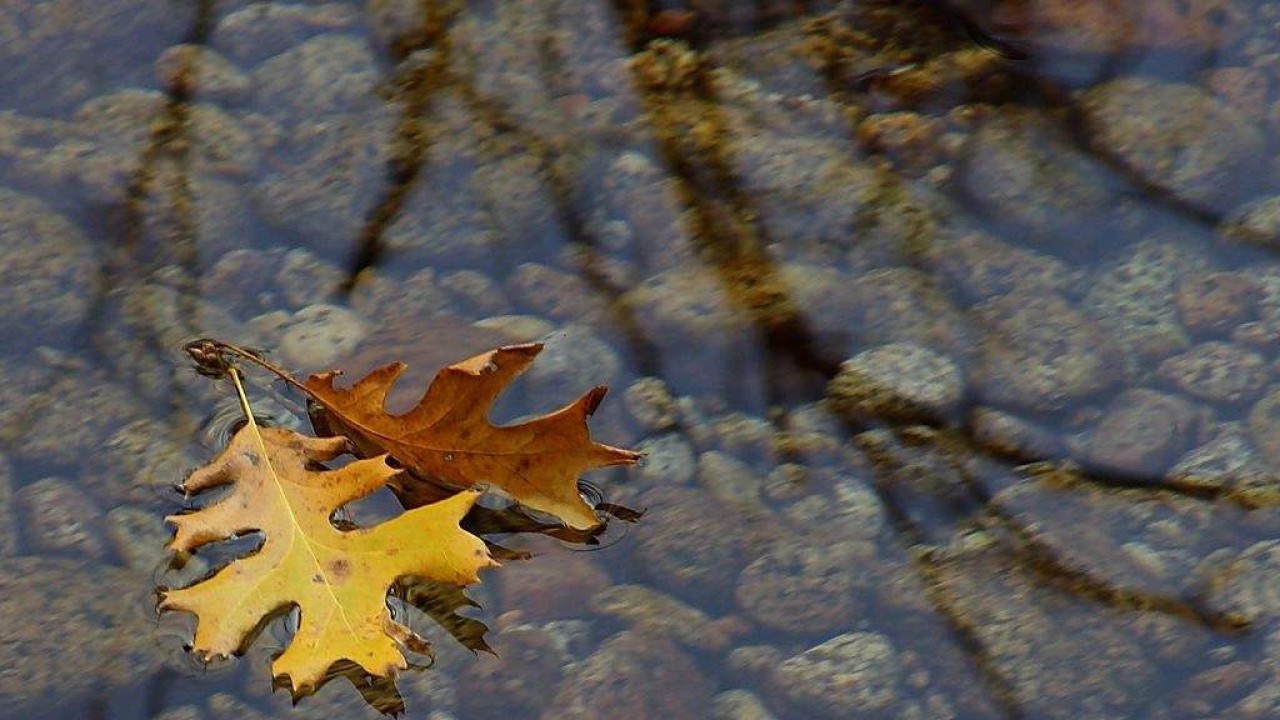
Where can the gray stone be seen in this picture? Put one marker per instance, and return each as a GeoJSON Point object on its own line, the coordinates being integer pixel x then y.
{"type": "Point", "coordinates": [328, 73]}
{"type": "Point", "coordinates": [443, 221]}
{"type": "Point", "coordinates": [400, 24]}
{"type": "Point", "coordinates": [515, 195]}
{"type": "Point", "coordinates": [59, 518]}
{"type": "Point", "coordinates": [645, 201]}
{"type": "Point", "coordinates": [1215, 303]}
{"type": "Point", "coordinates": [653, 611]}
{"type": "Point", "coordinates": [1228, 463]}
{"type": "Point", "coordinates": [516, 328]}
{"type": "Point", "coordinates": [224, 706]}
{"type": "Point", "coordinates": [1255, 223]}
{"type": "Point", "coordinates": [754, 662]}
{"type": "Point", "coordinates": [689, 314]}
{"type": "Point", "coordinates": [1264, 426]}
{"type": "Point", "coordinates": [668, 460]}
{"type": "Point", "coordinates": [977, 266]}
{"type": "Point", "coordinates": [739, 434]}
{"type": "Point", "coordinates": [318, 336]}
{"type": "Point", "coordinates": [1135, 298]}
{"type": "Point", "coordinates": [851, 675]}
{"type": "Point", "coordinates": [63, 433]}
{"type": "Point", "coordinates": [1011, 435]}
{"type": "Point", "coordinates": [1142, 433]}
{"type": "Point", "coordinates": [1173, 136]}
{"type": "Point", "coordinates": [1038, 352]}
{"type": "Point", "coordinates": [475, 293]}
{"type": "Point", "coordinates": [739, 704]}
{"type": "Point", "coordinates": [517, 681]}
{"type": "Point", "coordinates": [649, 402]}
{"type": "Point", "coordinates": [573, 360]}
{"type": "Point", "coordinates": [1244, 587]}
{"type": "Point", "coordinates": [805, 190]}
{"type": "Point", "coordinates": [900, 382]}
{"type": "Point", "coordinates": [1262, 703]}
{"type": "Point", "coordinates": [855, 510]}
{"type": "Point", "coordinates": [55, 54]}
{"type": "Point", "coordinates": [557, 295]}
{"type": "Point", "coordinates": [788, 482]}
{"type": "Point", "coordinates": [1061, 660]}
{"type": "Point", "coordinates": [325, 175]}
{"type": "Point", "coordinates": [1150, 542]}
{"type": "Point", "coordinates": [260, 30]}
{"type": "Point", "coordinates": [904, 305]}
{"type": "Point", "coordinates": [730, 480]}
{"type": "Point", "coordinates": [1267, 280]}
{"type": "Point", "coordinates": [1024, 167]}
{"type": "Point", "coordinates": [420, 296]}
{"type": "Point", "coordinates": [184, 712]}
{"type": "Point", "coordinates": [822, 299]}
{"type": "Point", "coordinates": [193, 219]}
{"type": "Point", "coordinates": [633, 675]}
{"type": "Point", "coordinates": [1218, 372]}
{"type": "Point", "coordinates": [139, 464]}
{"type": "Point", "coordinates": [304, 279]}
{"type": "Point", "coordinates": [114, 132]}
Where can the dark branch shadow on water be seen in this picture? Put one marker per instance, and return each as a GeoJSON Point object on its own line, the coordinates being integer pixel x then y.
{"type": "Point", "coordinates": [424, 67]}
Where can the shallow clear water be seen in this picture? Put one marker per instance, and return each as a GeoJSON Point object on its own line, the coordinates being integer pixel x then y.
{"type": "Point", "coordinates": [948, 331]}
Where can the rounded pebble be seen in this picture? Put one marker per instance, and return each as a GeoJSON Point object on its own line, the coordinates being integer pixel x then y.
{"type": "Point", "coordinates": [320, 336]}
{"type": "Point", "coordinates": [329, 73]}
{"type": "Point", "coordinates": [848, 676]}
{"type": "Point", "coordinates": [900, 382]}
{"type": "Point", "coordinates": [1218, 372]}
{"type": "Point", "coordinates": [59, 518]}
{"type": "Point", "coordinates": [649, 402]}
{"type": "Point", "coordinates": [1255, 223]}
{"type": "Point", "coordinates": [1038, 352]}
{"type": "Point", "coordinates": [1171, 135]}
{"type": "Point", "coordinates": [668, 460]}
{"type": "Point", "coordinates": [1142, 433]}
{"type": "Point", "coordinates": [633, 675]}
{"type": "Point", "coordinates": [573, 360]}
{"type": "Point", "coordinates": [1215, 303]}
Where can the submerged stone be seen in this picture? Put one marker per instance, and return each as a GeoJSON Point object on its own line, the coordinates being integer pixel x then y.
{"type": "Point", "coordinates": [67, 629]}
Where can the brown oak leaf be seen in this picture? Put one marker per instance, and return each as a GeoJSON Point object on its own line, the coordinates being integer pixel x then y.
{"type": "Point", "coordinates": [338, 578]}
{"type": "Point", "coordinates": [448, 438]}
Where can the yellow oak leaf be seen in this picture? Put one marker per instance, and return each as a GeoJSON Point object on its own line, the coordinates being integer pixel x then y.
{"type": "Point", "coordinates": [338, 579]}
{"type": "Point", "coordinates": [447, 436]}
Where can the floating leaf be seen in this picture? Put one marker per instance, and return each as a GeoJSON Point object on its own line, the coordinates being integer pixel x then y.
{"type": "Point", "coordinates": [339, 579]}
{"type": "Point", "coordinates": [448, 439]}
